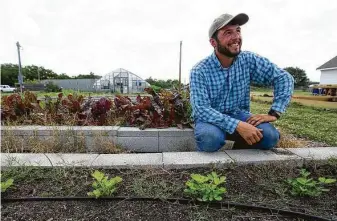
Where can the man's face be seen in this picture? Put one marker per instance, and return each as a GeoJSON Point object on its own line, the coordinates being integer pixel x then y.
{"type": "Point", "coordinates": [228, 41]}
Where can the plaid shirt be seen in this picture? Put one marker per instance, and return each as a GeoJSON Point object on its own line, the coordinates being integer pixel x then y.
{"type": "Point", "coordinates": [217, 91]}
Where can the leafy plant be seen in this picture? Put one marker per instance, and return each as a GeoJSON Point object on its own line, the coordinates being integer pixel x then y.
{"type": "Point", "coordinates": [51, 87]}
{"type": "Point", "coordinates": [103, 186]}
{"type": "Point", "coordinates": [206, 188]}
{"type": "Point", "coordinates": [305, 186]}
{"type": "Point", "coordinates": [5, 185]}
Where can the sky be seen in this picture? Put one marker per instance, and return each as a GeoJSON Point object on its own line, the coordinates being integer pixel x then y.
{"type": "Point", "coordinates": [83, 36]}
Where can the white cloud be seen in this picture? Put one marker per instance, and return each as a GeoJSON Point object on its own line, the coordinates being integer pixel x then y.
{"type": "Point", "coordinates": [76, 37]}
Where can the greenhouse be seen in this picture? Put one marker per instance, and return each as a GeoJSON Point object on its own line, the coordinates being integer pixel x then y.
{"type": "Point", "coordinates": [121, 81]}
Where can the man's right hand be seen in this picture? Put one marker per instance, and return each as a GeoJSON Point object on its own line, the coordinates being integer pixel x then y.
{"type": "Point", "coordinates": [249, 133]}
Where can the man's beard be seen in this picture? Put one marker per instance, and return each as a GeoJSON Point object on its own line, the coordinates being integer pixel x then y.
{"type": "Point", "coordinates": [225, 51]}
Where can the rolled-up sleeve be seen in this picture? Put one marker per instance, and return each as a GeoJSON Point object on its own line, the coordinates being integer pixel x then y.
{"type": "Point", "coordinates": [265, 72]}
{"type": "Point", "coordinates": [201, 104]}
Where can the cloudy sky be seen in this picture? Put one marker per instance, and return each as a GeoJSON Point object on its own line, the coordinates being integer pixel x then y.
{"type": "Point", "coordinates": [77, 37]}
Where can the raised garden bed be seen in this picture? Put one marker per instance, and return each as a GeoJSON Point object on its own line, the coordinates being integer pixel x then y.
{"type": "Point", "coordinates": [259, 185]}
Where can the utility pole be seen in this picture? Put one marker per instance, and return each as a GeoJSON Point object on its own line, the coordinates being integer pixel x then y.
{"type": "Point", "coordinates": [38, 74]}
{"type": "Point", "coordinates": [20, 77]}
{"type": "Point", "coordinates": [179, 88]}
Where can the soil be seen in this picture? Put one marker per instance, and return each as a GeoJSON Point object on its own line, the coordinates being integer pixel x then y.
{"type": "Point", "coordinates": [108, 210]}
{"type": "Point", "coordinates": [262, 185]}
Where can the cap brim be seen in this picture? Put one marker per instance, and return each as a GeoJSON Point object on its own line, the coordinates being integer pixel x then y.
{"type": "Point", "coordinates": [239, 19]}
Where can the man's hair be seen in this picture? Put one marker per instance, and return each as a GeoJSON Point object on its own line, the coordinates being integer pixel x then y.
{"type": "Point", "coordinates": [215, 35]}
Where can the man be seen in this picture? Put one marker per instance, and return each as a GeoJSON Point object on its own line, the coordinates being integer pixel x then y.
{"type": "Point", "coordinates": [220, 91]}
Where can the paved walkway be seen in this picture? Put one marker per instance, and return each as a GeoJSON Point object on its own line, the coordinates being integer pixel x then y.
{"type": "Point", "coordinates": [170, 160]}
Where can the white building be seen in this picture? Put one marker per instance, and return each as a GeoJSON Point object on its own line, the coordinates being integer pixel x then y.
{"type": "Point", "coordinates": [121, 81]}
{"type": "Point", "coordinates": [329, 72]}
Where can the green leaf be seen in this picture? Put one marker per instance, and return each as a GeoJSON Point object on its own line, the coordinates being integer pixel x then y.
{"type": "Point", "coordinates": [199, 178]}
{"type": "Point", "coordinates": [322, 179]}
{"type": "Point", "coordinates": [329, 181]}
{"type": "Point", "coordinates": [98, 175]}
{"type": "Point", "coordinates": [5, 185]}
{"type": "Point", "coordinates": [97, 193]}
{"type": "Point", "coordinates": [218, 198]}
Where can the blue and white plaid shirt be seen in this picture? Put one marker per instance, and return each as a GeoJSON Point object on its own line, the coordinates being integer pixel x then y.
{"type": "Point", "coordinates": [217, 91]}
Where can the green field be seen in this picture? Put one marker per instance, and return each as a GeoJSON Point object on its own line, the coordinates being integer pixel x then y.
{"type": "Point", "coordinates": [309, 103]}
{"type": "Point", "coordinates": [316, 124]}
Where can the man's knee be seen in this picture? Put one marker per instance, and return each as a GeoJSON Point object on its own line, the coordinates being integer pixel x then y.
{"type": "Point", "coordinates": [209, 140]}
{"type": "Point", "coordinates": [271, 137]}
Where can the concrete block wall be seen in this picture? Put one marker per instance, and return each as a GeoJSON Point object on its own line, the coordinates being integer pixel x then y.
{"type": "Point", "coordinates": [89, 138]}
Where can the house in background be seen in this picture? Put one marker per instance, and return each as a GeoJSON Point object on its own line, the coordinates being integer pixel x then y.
{"type": "Point", "coordinates": [329, 72]}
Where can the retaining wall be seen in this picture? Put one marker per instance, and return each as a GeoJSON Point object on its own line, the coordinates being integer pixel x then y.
{"type": "Point", "coordinates": [90, 138]}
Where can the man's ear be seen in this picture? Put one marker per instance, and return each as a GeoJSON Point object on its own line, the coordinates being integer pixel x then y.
{"type": "Point", "coordinates": [213, 42]}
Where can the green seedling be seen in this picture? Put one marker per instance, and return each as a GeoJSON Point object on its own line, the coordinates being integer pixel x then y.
{"type": "Point", "coordinates": [206, 188]}
{"type": "Point", "coordinates": [305, 186]}
{"type": "Point", "coordinates": [5, 185]}
{"type": "Point", "coordinates": [103, 186]}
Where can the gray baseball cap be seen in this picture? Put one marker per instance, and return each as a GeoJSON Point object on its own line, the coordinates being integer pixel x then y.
{"type": "Point", "coordinates": [225, 19]}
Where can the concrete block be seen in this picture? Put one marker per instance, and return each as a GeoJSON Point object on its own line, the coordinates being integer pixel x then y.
{"type": "Point", "coordinates": [176, 132]}
{"type": "Point", "coordinates": [315, 153]}
{"type": "Point", "coordinates": [255, 156]}
{"type": "Point", "coordinates": [177, 144]}
{"type": "Point", "coordinates": [98, 143]}
{"type": "Point", "coordinates": [24, 159]}
{"type": "Point", "coordinates": [136, 132]}
{"type": "Point", "coordinates": [195, 159]}
{"type": "Point", "coordinates": [139, 144]}
{"type": "Point", "coordinates": [139, 160]}
{"type": "Point", "coordinates": [97, 130]}
{"type": "Point", "coordinates": [19, 130]}
{"type": "Point", "coordinates": [71, 160]}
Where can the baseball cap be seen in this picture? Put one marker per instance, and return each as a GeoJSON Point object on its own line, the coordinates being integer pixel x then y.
{"type": "Point", "coordinates": [225, 19]}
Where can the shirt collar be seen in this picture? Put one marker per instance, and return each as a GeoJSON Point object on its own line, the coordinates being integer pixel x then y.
{"type": "Point", "coordinates": [216, 60]}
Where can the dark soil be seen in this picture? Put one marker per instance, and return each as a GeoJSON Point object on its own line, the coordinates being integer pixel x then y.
{"type": "Point", "coordinates": [123, 210]}
{"type": "Point", "coordinates": [262, 185]}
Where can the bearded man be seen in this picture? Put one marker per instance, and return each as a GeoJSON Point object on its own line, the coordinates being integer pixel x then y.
{"type": "Point", "coordinates": [220, 91]}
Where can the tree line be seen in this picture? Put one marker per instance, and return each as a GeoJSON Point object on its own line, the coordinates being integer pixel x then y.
{"type": "Point", "coordinates": [32, 73]}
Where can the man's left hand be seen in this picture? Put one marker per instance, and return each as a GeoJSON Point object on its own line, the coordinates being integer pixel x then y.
{"type": "Point", "coordinates": [257, 119]}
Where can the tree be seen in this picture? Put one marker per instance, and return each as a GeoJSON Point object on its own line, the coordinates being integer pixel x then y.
{"type": "Point", "coordinates": [63, 76]}
{"type": "Point", "coordinates": [300, 77]}
{"type": "Point", "coordinates": [9, 74]}
{"type": "Point", "coordinates": [32, 72]}
{"type": "Point", "coordinates": [91, 75]}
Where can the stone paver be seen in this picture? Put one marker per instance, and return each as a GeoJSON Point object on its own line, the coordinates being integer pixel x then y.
{"type": "Point", "coordinates": [252, 156]}
{"type": "Point", "coordinates": [71, 160]}
{"type": "Point", "coordinates": [178, 160]}
{"type": "Point", "coordinates": [315, 153]}
{"type": "Point", "coordinates": [24, 159]}
{"type": "Point", "coordinates": [135, 161]}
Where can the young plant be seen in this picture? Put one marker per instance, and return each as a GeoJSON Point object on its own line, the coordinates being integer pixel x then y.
{"type": "Point", "coordinates": [305, 186]}
{"type": "Point", "coordinates": [206, 188]}
{"type": "Point", "coordinates": [103, 186]}
{"type": "Point", "coordinates": [5, 185]}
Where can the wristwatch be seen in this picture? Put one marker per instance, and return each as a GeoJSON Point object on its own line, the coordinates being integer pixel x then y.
{"type": "Point", "coordinates": [274, 113]}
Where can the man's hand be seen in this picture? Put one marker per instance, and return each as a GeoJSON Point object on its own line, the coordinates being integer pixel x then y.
{"type": "Point", "coordinates": [260, 118]}
{"type": "Point", "coordinates": [249, 133]}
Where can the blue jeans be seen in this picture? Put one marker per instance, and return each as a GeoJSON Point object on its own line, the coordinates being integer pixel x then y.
{"type": "Point", "coordinates": [210, 138]}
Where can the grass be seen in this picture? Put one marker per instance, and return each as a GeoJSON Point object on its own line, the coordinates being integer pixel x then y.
{"type": "Point", "coordinates": [309, 103]}
{"type": "Point", "coordinates": [316, 124]}
{"type": "Point", "coordinates": [262, 91]}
